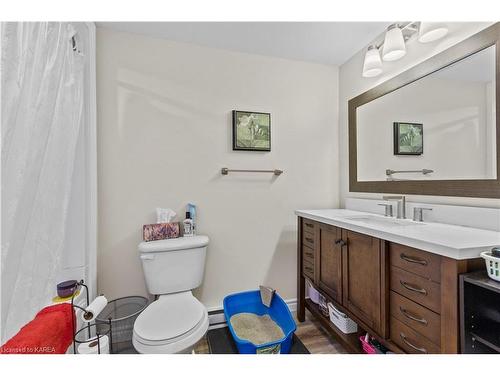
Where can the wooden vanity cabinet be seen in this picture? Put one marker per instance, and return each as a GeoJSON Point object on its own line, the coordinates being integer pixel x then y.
{"type": "Point", "coordinates": [362, 284]}
{"type": "Point", "coordinates": [330, 261]}
{"type": "Point", "coordinates": [407, 298]}
{"type": "Point", "coordinates": [348, 268]}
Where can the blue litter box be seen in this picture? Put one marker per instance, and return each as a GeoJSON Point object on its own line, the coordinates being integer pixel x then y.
{"type": "Point", "coordinates": [250, 302]}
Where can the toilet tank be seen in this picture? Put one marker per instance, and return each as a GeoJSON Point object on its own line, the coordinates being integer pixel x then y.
{"type": "Point", "coordinates": [173, 265]}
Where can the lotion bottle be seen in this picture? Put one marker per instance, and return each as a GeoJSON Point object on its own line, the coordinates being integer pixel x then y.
{"type": "Point", "coordinates": [188, 226]}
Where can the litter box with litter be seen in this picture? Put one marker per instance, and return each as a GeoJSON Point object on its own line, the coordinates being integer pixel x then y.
{"type": "Point", "coordinates": [260, 322]}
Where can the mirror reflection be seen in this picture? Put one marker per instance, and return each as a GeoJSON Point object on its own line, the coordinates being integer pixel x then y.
{"type": "Point", "coordinates": [440, 127]}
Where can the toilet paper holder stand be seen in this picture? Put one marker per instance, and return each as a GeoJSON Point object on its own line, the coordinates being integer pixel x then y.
{"type": "Point", "coordinates": [88, 326]}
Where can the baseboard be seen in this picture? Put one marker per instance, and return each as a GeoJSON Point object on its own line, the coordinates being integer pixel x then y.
{"type": "Point", "coordinates": [292, 304]}
{"type": "Point", "coordinates": [217, 319]}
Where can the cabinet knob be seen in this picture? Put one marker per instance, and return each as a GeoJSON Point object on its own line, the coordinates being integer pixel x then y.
{"type": "Point", "coordinates": [341, 243]}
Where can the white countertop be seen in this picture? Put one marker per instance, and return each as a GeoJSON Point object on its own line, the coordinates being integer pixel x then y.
{"type": "Point", "coordinates": [453, 241]}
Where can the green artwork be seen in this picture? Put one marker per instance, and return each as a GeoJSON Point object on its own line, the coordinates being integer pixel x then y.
{"type": "Point", "coordinates": [251, 131]}
{"type": "Point", "coordinates": [408, 138]}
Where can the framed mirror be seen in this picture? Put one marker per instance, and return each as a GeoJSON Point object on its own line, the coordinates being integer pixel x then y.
{"type": "Point", "coordinates": [435, 128]}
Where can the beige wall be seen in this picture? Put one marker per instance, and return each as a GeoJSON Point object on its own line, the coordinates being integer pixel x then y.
{"type": "Point", "coordinates": [164, 132]}
{"type": "Point", "coordinates": [351, 84]}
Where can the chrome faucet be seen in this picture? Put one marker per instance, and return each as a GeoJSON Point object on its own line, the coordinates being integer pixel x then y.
{"type": "Point", "coordinates": [401, 204]}
{"type": "Point", "coordinates": [418, 213]}
{"type": "Point", "coordinates": [388, 209]}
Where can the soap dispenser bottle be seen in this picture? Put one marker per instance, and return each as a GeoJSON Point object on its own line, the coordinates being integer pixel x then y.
{"type": "Point", "coordinates": [188, 225]}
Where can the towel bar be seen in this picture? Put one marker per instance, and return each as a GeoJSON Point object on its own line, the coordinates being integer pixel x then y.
{"type": "Point", "coordinates": [276, 172]}
{"type": "Point", "coordinates": [390, 172]}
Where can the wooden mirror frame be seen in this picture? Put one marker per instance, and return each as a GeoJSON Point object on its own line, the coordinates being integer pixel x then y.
{"type": "Point", "coordinates": [489, 188]}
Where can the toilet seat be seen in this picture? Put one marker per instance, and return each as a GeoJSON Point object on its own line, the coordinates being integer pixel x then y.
{"type": "Point", "coordinates": [172, 324]}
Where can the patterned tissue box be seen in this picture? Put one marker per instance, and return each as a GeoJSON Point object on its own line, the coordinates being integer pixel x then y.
{"type": "Point", "coordinates": [161, 231]}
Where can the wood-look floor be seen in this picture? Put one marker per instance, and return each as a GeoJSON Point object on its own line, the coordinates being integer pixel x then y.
{"type": "Point", "coordinates": [310, 332]}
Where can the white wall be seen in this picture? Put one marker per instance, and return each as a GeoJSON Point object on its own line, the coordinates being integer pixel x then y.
{"type": "Point", "coordinates": [351, 84]}
{"type": "Point", "coordinates": [164, 132]}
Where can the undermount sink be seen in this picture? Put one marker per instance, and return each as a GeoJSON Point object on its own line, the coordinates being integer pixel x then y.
{"type": "Point", "coordinates": [381, 220]}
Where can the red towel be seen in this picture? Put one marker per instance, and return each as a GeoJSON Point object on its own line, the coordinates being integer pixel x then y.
{"type": "Point", "coordinates": [51, 332]}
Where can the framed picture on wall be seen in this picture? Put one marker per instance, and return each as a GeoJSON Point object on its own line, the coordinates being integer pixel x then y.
{"type": "Point", "coordinates": [251, 131]}
{"type": "Point", "coordinates": [408, 138]}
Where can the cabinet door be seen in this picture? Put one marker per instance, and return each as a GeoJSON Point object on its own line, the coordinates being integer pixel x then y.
{"type": "Point", "coordinates": [362, 270]}
{"type": "Point", "coordinates": [330, 261]}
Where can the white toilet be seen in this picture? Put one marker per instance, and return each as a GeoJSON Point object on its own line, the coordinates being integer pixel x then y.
{"type": "Point", "coordinates": [176, 321]}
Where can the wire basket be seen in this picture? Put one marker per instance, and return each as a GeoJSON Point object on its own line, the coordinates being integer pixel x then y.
{"type": "Point", "coordinates": [341, 320]}
{"type": "Point", "coordinates": [312, 292]}
{"type": "Point", "coordinates": [121, 314]}
{"type": "Point", "coordinates": [85, 336]}
{"type": "Point", "coordinates": [492, 265]}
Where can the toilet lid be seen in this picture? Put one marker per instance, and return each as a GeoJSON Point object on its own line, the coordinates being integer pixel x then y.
{"type": "Point", "coordinates": [169, 317]}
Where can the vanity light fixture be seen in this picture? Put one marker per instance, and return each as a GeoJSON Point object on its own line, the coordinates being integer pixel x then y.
{"type": "Point", "coordinates": [431, 31]}
{"type": "Point", "coordinates": [372, 66]}
{"type": "Point", "coordinates": [394, 44]}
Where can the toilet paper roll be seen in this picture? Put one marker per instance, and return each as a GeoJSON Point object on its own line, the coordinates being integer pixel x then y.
{"type": "Point", "coordinates": [92, 310]}
{"type": "Point", "coordinates": [92, 348]}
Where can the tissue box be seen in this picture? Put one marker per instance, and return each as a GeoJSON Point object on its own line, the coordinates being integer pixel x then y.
{"type": "Point", "coordinates": [161, 231]}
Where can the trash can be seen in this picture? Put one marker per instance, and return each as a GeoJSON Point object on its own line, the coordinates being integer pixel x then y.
{"type": "Point", "coordinates": [121, 313]}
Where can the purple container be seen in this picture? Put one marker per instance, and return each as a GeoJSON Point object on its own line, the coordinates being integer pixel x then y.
{"type": "Point", "coordinates": [66, 288]}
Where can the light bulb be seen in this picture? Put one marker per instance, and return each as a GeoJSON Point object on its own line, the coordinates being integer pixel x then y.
{"type": "Point", "coordinates": [372, 65]}
{"type": "Point", "coordinates": [431, 31]}
{"type": "Point", "coordinates": [394, 44]}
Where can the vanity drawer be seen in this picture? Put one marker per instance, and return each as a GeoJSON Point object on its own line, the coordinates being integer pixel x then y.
{"type": "Point", "coordinates": [416, 288]}
{"type": "Point", "coordinates": [308, 225]}
{"type": "Point", "coordinates": [422, 320]}
{"type": "Point", "coordinates": [411, 341]}
{"type": "Point", "coordinates": [422, 263]}
{"type": "Point", "coordinates": [308, 239]}
{"type": "Point", "coordinates": [308, 254]}
{"type": "Point", "coordinates": [308, 269]}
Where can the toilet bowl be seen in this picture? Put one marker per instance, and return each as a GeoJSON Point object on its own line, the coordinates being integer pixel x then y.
{"type": "Point", "coordinates": [172, 324]}
{"type": "Point", "coordinates": [176, 321]}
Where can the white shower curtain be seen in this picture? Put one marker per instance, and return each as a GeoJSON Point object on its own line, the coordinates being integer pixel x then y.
{"type": "Point", "coordinates": [42, 110]}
